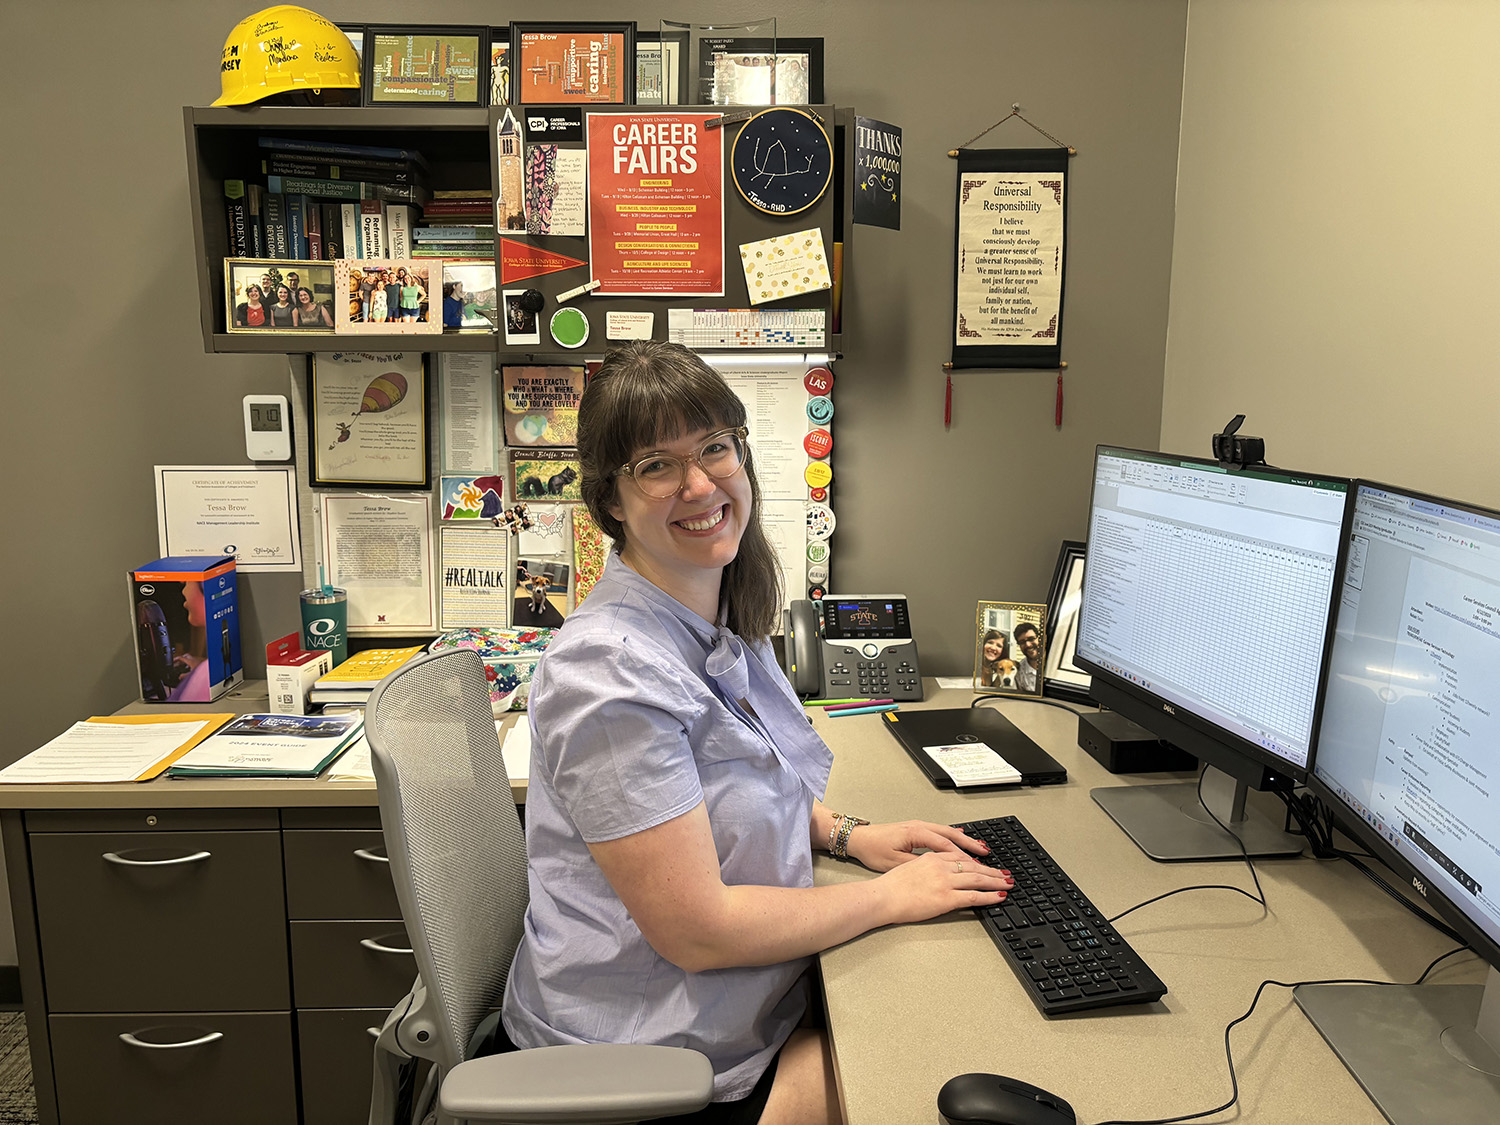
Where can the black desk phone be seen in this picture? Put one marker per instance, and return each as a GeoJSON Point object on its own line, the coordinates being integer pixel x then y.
{"type": "Point", "coordinates": [852, 646]}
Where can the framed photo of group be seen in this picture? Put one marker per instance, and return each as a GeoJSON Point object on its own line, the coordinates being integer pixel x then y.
{"type": "Point", "coordinates": [1009, 648]}
{"type": "Point", "coordinates": [566, 63]}
{"type": "Point", "coordinates": [279, 295]}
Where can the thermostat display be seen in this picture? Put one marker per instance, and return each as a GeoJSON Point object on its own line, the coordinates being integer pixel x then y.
{"type": "Point", "coordinates": [268, 428]}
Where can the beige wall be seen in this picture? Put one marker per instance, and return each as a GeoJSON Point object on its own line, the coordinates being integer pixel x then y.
{"type": "Point", "coordinates": [1337, 250]}
{"type": "Point", "coordinates": [105, 376]}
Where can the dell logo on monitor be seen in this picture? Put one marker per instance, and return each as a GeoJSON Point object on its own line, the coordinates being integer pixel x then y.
{"type": "Point", "coordinates": [1169, 709]}
{"type": "Point", "coordinates": [1421, 886]}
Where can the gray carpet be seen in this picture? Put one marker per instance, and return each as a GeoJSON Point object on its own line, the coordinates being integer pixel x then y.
{"type": "Point", "coordinates": [17, 1097]}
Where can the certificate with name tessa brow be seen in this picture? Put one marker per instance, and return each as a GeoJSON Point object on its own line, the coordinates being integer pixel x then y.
{"type": "Point", "coordinates": [229, 510]}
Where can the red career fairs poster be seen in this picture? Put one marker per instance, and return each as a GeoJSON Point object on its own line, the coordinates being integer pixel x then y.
{"type": "Point", "coordinates": [656, 204]}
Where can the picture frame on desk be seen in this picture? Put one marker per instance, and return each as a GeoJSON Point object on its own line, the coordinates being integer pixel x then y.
{"type": "Point", "coordinates": [426, 65]}
{"type": "Point", "coordinates": [555, 63]}
{"type": "Point", "coordinates": [1009, 648]}
{"type": "Point", "coordinates": [1061, 678]}
{"type": "Point", "coordinates": [245, 277]}
{"type": "Point", "coordinates": [369, 426]}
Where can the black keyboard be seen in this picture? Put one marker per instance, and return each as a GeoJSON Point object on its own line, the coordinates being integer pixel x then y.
{"type": "Point", "coordinates": [1061, 949]}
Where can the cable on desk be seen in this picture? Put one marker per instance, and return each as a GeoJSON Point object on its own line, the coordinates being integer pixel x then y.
{"type": "Point", "coordinates": [1259, 896]}
{"type": "Point", "coordinates": [1317, 824]}
{"type": "Point", "coordinates": [979, 699]}
{"type": "Point", "coordinates": [1234, 1083]}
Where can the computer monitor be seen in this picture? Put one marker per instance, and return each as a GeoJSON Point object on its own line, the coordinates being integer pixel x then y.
{"type": "Point", "coordinates": [1408, 761]}
{"type": "Point", "coordinates": [1207, 599]}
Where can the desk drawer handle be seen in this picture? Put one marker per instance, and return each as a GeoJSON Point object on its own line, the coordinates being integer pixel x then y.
{"type": "Point", "coordinates": [126, 1037]}
{"type": "Point", "coordinates": [375, 946]}
{"type": "Point", "coordinates": [366, 853]}
{"type": "Point", "coordinates": [374, 1032]}
{"type": "Point", "coordinates": [116, 857]}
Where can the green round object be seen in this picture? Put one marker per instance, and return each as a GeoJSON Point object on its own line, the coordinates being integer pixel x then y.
{"type": "Point", "coordinates": [570, 328]}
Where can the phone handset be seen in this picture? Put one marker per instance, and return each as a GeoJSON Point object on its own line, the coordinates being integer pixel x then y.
{"type": "Point", "coordinates": [802, 655]}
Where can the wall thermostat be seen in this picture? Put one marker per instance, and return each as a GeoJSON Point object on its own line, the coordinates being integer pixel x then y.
{"type": "Point", "coordinates": [268, 428]}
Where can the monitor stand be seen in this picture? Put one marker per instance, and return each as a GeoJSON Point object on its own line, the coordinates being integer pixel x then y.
{"type": "Point", "coordinates": [1427, 1052]}
{"type": "Point", "coordinates": [1168, 823]}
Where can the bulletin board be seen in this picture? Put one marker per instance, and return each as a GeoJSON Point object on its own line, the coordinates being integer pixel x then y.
{"type": "Point", "coordinates": [559, 262]}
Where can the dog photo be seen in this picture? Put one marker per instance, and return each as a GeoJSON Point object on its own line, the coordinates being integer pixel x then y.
{"type": "Point", "coordinates": [1008, 648]}
{"type": "Point", "coordinates": [541, 594]}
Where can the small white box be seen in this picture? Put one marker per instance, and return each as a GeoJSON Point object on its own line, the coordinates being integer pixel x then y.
{"type": "Point", "coordinates": [291, 673]}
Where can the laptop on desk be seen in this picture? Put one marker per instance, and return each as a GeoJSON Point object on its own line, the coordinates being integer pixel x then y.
{"type": "Point", "coordinates": [918, 729]}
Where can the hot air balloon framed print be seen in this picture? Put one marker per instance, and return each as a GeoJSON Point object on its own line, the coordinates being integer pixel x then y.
{"type": "Point", "coordinates": [275, 295]}
{"type": "Point", "coordinates": [369, 421]}
{"type": "Point", "coordinates": [388, 296]}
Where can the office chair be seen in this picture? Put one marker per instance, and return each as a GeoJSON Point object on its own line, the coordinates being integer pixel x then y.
{"type": "Point", "coordinates": [458, 858]}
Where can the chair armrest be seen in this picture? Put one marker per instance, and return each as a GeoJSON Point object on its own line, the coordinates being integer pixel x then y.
{"type": "Point", "coordinates": [596, 1083]}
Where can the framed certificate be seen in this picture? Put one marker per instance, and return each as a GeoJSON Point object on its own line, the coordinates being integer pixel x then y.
{"type": "Point", "coordinates": [370, 422]}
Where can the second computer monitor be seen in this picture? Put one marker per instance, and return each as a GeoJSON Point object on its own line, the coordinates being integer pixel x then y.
{"type": "Point", "coordinates": [1205, 618]}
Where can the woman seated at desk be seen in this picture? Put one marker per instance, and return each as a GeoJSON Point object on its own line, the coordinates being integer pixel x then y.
{"type": "Point", "coordinates": [673, 805]}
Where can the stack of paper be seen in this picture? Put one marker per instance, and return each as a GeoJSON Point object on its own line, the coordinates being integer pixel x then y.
{"type": "Point", "coordinates": [115, 748]}
{"type": "Point", "coordinates": [271, 746]}
{"type": "Point", "coordinates": [354, 679]}
{"type": "Point", "coordinates": [974, 763]}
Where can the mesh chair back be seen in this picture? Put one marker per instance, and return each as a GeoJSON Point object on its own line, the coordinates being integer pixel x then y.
{"type": "Point", "coordinates": [457, 852]}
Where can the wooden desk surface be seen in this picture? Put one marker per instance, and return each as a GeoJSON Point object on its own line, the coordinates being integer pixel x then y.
{"type": "Point", "coordinates": [911, 1006]}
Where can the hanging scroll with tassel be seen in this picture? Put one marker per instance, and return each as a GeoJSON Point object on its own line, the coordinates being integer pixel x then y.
{"type": "Point", "coordinates": [1009, 257]}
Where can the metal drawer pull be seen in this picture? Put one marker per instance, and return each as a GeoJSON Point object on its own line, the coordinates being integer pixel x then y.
{"type": "Point", "coordinates": [366, 853]}
{"type": "Point", "coordinates": [115, 857]}
{"type": "Point", "coordinates": [126, 1037]}
{"type": "Point", "coordinates": [374, 1032]}
{"type": "Point", "coordinates": [375, 946]}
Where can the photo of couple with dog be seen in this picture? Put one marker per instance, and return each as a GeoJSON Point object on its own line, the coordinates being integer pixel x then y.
{"type": "Point", "coordinates": [1008, 649]}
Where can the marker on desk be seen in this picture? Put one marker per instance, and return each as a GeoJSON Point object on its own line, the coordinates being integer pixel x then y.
{"type": "Point", "coordinates": [830, 702]}
{"type": "Point", "coordinates": [840, 712]}
{"type": "Point", "coordinates": [855, 703]}
{"type": "Point", "coordinates": [569, 294]}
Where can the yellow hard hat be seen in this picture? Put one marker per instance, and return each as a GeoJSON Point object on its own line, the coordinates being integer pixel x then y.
{"type": "Point", "coordinates": [282, 49]}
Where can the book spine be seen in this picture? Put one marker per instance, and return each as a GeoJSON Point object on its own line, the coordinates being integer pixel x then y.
{"type": "Point", "coordinates": [396, 193]}
{"type": "Point", "coordinates": [324, 189]}
{"type": "Point", "coordinates": [372, 229]}
{"type": "Point", "coordinates": [254, 204]}
{"type": "Point", "coordinates": [398, 223]}
{"type": "Point", "coordinates": [314, 230]}
{"type": "Point", "coordinates": [353, 243]}
{"type": "Point", "coordinates": [378, 171]}
{"type": "Point", "coordinates": [485, 248]}
{"type": "Point", "coordinates": [234, 204]}
{"type": "Point", "coordinates": [456, 207]}
{"type": "Point", "coordinates": [329, 149]}
{"type": "Point", "coordinates": [331, 220]}
{"type": "Point", "coordinates": [453, 234]}
{"type": "Point", "coordinates": [275, 219]}
{"type": "Point", "coordinates": [296, 225]}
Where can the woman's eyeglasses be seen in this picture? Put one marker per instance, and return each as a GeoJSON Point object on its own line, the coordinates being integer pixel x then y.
{"type": "Point", "coordinates": [660, 475]}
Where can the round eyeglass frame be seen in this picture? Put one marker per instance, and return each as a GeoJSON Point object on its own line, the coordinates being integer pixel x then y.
{"type": "Point", "coordinates": [740, 432]}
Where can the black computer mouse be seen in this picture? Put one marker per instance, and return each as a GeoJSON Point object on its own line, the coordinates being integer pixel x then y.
{"type": "Point", "coordinates": [990, 1099]}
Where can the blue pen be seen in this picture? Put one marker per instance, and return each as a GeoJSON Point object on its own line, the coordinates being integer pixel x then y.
{"type": "Point", "coordinates": [840, 713]}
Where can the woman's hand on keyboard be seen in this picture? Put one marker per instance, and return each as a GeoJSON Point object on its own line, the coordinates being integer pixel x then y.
{"type": "Point", "coordinates": [881, 847]}
{"type": "Point", "coordinates": [937, 883]}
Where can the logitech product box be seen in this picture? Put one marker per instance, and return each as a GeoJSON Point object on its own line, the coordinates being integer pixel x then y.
{"type": "Point", "coordinates": [187, 628]}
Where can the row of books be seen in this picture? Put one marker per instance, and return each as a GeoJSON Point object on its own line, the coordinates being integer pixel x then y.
{"type": "Point", "coordinates": [353, 680]}
{"type": "Point", "coordinates": [321, 200]}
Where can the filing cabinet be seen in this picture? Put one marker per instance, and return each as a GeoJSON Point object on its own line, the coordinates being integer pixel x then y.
{"type": "Point", "coordinates": [205, 964]}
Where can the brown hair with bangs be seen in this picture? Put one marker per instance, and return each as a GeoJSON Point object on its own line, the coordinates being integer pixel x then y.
{"type": "Point", "coordinates": [647, 393]}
